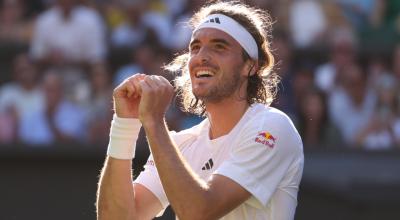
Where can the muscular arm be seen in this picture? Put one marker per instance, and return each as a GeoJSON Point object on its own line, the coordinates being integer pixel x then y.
{"type": "Point", "coordinates": [118, 198]}
{"type": "Point", "coordinates": [190, 197]}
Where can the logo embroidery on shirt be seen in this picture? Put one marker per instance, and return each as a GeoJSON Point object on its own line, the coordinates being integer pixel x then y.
{"type": "Point", "coordinates": [209, 164]}
{"type": "Point", "coordinates": [266, 138]}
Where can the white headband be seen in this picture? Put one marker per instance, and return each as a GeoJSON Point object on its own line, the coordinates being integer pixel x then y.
{"type": "Point", "coordinates": [234, 29]}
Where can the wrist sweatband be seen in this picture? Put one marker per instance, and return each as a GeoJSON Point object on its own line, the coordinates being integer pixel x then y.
{"type": "Point", "coordinates": [123, 135]}
{"type": "Point", "coordinates": [234, 29]}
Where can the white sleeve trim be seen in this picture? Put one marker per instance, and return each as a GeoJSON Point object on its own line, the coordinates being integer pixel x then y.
{"type": "Point", "coordinates": [164, 206]}
{"type": "Point", "coordinates": [151, 181]}
{"type": "Point", "coordinates": [242, 177]}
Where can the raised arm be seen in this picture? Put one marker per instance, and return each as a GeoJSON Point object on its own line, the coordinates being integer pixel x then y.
{"type": "Point", "coordinates": [117, 196]}
{"type": "Point", "coordinates": [190, 197]}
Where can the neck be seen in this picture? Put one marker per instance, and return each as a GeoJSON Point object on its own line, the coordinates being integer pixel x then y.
{"type": "Point", "coordinates": [224, 115]}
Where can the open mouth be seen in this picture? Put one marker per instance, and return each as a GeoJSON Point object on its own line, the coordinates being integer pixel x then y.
{"type": "Point", "coordinates": [204, 74]}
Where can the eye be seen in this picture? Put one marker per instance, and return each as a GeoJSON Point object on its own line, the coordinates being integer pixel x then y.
{"type": "Point", "coordinates": [194, 48]}
{"type": "Point", "coordinates": [220, 46]}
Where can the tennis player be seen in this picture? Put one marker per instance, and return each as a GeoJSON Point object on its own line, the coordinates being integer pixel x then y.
{"type": "Point", "coordinates": [244, 161]}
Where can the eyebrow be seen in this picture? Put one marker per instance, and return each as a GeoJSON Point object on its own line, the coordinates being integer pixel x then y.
{"type": "Point", "coordinates": [221, 41]}
{"type": "Point", "coordinates": [216, 40]}
{"type": "Point", "coordinates": [194, 42]}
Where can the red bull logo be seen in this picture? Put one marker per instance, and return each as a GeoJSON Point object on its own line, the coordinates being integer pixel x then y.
{"type": "Point", "coordinates": [266, 138]}
{"type": "Point", "coordinates": [150, 163]}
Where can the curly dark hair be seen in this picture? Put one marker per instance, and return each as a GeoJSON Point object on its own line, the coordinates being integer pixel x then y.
{"type": "Point", "coordinates": [262, 86]}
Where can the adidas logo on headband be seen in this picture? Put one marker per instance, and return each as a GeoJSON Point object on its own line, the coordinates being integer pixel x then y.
{"type": "Point", "coordinates": [234, 29]}
{"type": "Point", "coordinates": [214, 20]}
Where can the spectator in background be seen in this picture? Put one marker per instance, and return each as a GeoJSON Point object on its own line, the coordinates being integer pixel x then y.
{"type": "Point", "coordinates": [335, 17]}
{"type": "Point", "coordinates": [396, 62]}
{"type": "Point", "coordinates": [351, 104]}
{"type": "Point", "coordinates": [76, 83]}
{"type": "Point", "coordinates": [68, 33]}
{"type": "Point", "coordinates": [145, 59]}
{"type": "Point", "coordinates": [382, 132]}
{"type": "Point", "coordinates": [100, 105]}
{"type": "Point", "coordinates": [69, 36]}
{"type": "Point", "coordinates": [19, 97]}
{"type": "Point", "coordinates": [143, 22]}
{"type": "Point", "coordinates": [133, 31]}
{"type": "Point", "coordinates": [14, 28]}
{"type": "Point", "coordinates": [279, 12]}
{"type": "Point", "coordinates": [8, 126]}
{"type": "Point", "coordinates": [382, 33]}
{"type": "Point", "coordinates": [343, 47]}
{"type": "Point", "coordinates": [302, 81]}
{"type": "Point", "coordinates": [314, 125]}
{"type": "Point", "coordinates": [386, 14]}
{"type": "Point", "coordinates": [307, 22]}
{"type": "Point", "coordinates": [282, 49]}
{"type": "Point", "coordinates": [59, 120]}
{"type": "Point", "coordinates": [112, 12]}
{"type": "Point", "coordinates": [377, 66]}
{"type": "Point", "coordinates": [181, 31]}
{"type": "Point", "coordinates": [358, 13]}
{"type": "Point", "coordinates": [178, 7]}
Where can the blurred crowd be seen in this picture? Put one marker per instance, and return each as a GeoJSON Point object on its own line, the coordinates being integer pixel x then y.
{"type": "Point", "coordinates": [339, 63]}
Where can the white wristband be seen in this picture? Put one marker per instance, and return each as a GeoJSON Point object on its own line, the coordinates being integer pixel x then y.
{"type": "Point", "coordinates": [123, 135]}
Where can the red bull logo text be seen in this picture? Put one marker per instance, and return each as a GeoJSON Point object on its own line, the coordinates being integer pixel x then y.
{"type": "Point", "coordinates": [150, 162]}
{"type": "Point", "coordinates": [266, 138]}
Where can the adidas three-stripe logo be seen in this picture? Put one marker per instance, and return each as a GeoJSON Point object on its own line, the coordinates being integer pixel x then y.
{"type": "Point", "coordinates": [214, 20]}
{"type": "Point", "coordinates": [209, 164]}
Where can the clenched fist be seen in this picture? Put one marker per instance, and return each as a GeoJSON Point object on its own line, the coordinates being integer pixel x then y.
{"type": "Point", "coordinates": [127, 97]}
{"type": "Point", "coordinates": [144, 97]}
{"type": "Point", "coordinates": [156, 95]}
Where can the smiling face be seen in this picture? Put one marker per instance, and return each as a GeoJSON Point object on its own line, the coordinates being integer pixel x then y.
{"type": "Point", "coordinates": [216, 65]}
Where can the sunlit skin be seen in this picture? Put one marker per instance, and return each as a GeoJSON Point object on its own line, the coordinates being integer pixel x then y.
{"type": "Point", "coordinates": [215, 51]}
{"type": "Point", "coordinates": [147, 98]}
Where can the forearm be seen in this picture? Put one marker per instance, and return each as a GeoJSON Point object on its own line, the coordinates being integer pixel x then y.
{"type": "Point", "coordinates": [115, 196]}
{"type": "Point", "coordinates": [186, 192]}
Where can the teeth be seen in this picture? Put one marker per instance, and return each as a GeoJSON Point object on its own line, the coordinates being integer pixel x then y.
{"type": "Point", "coordinates": [204, 74]}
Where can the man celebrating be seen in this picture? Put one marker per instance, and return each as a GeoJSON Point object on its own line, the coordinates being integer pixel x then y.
{"type": "Point", "coordinates": [244, 161]}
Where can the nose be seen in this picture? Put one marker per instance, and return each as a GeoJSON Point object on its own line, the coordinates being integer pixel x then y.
{"type": "Point", "coordinates": [202, 56]}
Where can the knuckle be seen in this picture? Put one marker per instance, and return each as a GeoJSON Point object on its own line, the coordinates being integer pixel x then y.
{"type": "Point", "coordinates": [117, 89]}
{"type": "Point", "coordinates": [154, 91]}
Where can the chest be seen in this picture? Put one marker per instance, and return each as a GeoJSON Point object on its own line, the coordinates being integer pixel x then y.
{"type": "Point", "coordinates": [205, 156]}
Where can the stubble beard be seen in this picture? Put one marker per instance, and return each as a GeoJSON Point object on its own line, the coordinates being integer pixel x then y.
{"type": "Point", "coordinates": [226, 87]}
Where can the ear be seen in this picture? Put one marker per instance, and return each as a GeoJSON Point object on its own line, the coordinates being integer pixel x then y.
{"type": "Point", "coordinates": [251, 67]}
